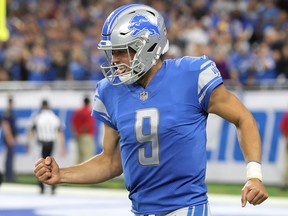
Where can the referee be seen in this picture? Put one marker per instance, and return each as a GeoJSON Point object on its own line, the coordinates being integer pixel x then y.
{"type": "Point", "coordinates": [46, 127]}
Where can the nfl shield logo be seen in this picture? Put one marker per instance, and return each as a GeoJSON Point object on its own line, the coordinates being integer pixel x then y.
{"type": "Point", "coordinates": [143, 95]}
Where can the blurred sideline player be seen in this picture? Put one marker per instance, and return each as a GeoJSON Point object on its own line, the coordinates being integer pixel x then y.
{"type": "Point", "coordinates": [84, 129]}
{"type": "Point", "coordinates": [46, 127]}
{"type": "Point", "coordinates": [284, 132]}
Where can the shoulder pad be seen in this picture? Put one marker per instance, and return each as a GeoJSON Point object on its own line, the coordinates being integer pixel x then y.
{"type": "Point", "coordinates": [194, 63]}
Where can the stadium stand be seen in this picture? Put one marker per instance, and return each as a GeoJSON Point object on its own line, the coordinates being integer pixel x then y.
{"type": "Point", "coordinates": [56, 40]}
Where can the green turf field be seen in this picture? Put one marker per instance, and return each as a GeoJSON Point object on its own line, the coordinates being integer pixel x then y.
{"type": "Point", "coordinates": [215, 188]}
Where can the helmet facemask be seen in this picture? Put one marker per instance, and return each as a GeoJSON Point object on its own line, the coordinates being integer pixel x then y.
{"type": "Point", "coordinates": [133, 72]}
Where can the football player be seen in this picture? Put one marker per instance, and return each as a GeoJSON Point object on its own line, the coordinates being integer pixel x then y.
{"type": "Point", "coordinates": [155, 114]}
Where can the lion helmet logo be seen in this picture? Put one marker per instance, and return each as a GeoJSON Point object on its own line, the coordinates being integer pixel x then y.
{"type": "Point", "coordinates": [140, 23]}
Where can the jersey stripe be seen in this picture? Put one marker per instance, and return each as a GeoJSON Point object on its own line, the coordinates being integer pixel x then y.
{"type": "Point", "coordinates": [204, 89]}
{"type": "Point", "coordinates": [206, 79]}
{"type": "Point", "coordinates": [101, 109]}
{"type": "Point", "coordinates": [205, 64]}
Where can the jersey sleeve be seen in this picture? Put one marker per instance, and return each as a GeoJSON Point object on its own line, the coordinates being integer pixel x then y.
{"type": "Point", "coordinates": [100, 108]}
{"type": "Point", "coordinates": [209, 78]}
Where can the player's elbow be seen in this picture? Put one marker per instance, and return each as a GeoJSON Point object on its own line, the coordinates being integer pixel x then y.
{"type": "Point", "coordinates": [116, 170]}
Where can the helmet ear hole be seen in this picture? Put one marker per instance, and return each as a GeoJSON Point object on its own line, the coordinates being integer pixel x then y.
{"type": "Point", "coordinates": [151, 49]}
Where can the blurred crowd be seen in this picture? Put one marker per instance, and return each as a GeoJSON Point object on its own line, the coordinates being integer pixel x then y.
{"type": "Point", "coordinates": [57, 39]}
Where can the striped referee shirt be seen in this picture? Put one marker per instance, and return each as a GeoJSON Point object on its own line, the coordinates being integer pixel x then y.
{"type": "Point", "coordinates": [47, 124]}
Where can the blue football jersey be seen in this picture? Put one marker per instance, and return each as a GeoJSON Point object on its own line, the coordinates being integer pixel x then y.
{"type": "Point", "coordinates": [162, 132]}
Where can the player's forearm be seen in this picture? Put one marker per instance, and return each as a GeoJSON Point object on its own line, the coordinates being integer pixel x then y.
{"type": "Point", "coordinates": [96, 170]}
{"type": "Point", "coordinates": [249, 139]}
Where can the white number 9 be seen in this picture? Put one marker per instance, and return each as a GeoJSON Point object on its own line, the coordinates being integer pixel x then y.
{"type": "Point", "coordinates": [152, 115]}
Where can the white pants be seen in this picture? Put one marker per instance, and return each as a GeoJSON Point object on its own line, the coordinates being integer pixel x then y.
{"type": "Point", "coordinates": [199, 210]}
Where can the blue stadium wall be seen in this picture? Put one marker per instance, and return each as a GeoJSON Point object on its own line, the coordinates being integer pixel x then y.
{"type": "Point", "coordinates": [225, 160]}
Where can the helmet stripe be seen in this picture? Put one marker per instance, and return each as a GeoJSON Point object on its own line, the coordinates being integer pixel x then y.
{"type": "Point", "coordinates": [111, 19]}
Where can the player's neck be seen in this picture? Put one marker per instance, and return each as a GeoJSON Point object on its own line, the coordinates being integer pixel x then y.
{"type": "Point", "coordinates": [146, 79]}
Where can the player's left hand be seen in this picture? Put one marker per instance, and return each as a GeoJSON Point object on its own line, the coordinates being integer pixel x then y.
{"type": "Point", "coordinates": [254, 192]}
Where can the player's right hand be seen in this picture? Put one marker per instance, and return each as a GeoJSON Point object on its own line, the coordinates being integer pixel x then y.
{"type": "Point", "coordinates": [47, 171]}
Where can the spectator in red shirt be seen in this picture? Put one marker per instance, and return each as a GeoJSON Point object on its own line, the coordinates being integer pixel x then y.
{"type": "Point", "coordinates": [84, 129]}
{"type": "Point", "coordinates": [284, 131]}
